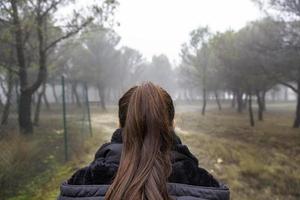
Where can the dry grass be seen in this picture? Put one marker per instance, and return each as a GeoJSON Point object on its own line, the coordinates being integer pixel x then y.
{"type": "Point", "coordinates": [29, 163]}
{"type": "Point", "coordinates": [257, 163]}
{"type": "Point", "coordinates": [260, 163]}
{"type": "Point", "coordinates": [42, 154]}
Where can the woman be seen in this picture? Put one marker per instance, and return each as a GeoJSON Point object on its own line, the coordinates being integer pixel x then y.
{"type": "Point", "coordinates": [145, 160]}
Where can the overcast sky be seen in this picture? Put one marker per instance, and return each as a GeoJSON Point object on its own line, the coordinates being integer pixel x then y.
{"type": "Point", "coordinates": [161, 26]}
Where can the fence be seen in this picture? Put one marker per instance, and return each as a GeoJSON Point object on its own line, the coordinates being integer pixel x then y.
{"type": "Point", "coordinates": [64, 105]}
{"type": "Point", "coordinates": [64, 125]}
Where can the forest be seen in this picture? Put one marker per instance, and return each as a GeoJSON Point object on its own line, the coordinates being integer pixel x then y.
{"type": "Point", "coordinates": [63, 68]}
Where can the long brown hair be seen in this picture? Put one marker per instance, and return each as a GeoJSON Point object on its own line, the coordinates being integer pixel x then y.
{"type": "Point", "coordinates": [147, 138]}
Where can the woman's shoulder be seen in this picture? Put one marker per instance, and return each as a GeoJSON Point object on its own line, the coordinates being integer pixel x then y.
{"type": "Point", "coordinates": [104, 166]}
{"type": "Point", "coordinates": [185, 166]}
{"type": "Point", "coordinates": [102, 169]}
{"type": "Point", "coordinates": [186, 170]}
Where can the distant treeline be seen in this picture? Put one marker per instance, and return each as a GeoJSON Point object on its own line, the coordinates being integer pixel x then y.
{"type": "Point", "coordinates": [249, 62]}
{"type": "Point", "coordinates": [37, 47]}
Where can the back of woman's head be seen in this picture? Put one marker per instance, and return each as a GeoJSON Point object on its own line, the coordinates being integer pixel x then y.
{"type": "Point", "coordinates": [147, 137]}
{"type": "Point", "coordinates": [124, 102]}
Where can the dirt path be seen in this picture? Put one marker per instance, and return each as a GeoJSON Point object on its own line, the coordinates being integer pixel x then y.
{"type": "Point", "coordinates": [106, 123]}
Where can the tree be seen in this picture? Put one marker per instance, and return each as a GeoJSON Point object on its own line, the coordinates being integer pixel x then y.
{"type": "Point", "coordinates": [8, 70]}
{"type": "Point", "coordinates": [129, 69]}
{"type": "Point", "coordinates": [260, 81]}
{"type": "Point", "coordinates": [160, 72]}
{"type": "Point", "coordinates": [224, 46]}
{"type": "Point", "coordinates": [240, 69]}
{"type": "Point", "coordinates": [186, 80]}
{"type": "Point", "coordinates": [196, 54]}
{"type": "Point", "coordinates": [25, 16]}
{"type": "Point", "coordinates": [285, 68]}
{"type": "Point", "coordinates": [280, 52]}
{"type": "Point", "coordinates": [96, 59]}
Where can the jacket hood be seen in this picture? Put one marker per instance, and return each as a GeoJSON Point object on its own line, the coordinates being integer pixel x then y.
{"type": "Point", "coordinates": [176, 190]}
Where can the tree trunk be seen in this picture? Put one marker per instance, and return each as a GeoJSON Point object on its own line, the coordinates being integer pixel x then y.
{"type": "Point", "coordinates": [297, 118]}
{"type": "Point", "coordinates": [286, 94]}
{"type": "Point", "coordinates": [101, 94]}
{"type": "Point", "coordinates": [17, 93]}
{"type": "Point", "coordinates": [1, 102]}
{"type": "Point", "coordinates": [38, 105]}
{"type": "Point", "coordinates": [6, 110]}
{"type": "Point", "coordinates": [46, 100]}
{"type": "Point", "coordinates": [218, 100]}
{"type": "Point", "coordinates": [233, 101]}
{"type": "Point", "coordinates": [260, 106]}
{"type": "Point", "coordinates": [41, 29]}
{"type": "Point", "coordinates": [54, 93]}
{"type": "Point", "coordinates": [25, 112]}
{"type": "Point", "coordinates": [263, 99]}
{"type": "Point", "coordinates": [239, 98]}
{"type": "Point", "coordinates": [252, 123]}
{"type": "Point", "coordinates": [204, 101]}
{"type": "Point", "coordinates": [75, 93]}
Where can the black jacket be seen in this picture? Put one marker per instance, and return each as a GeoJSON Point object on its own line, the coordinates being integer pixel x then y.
{"type": "Point", "coordinates": [186, 182]}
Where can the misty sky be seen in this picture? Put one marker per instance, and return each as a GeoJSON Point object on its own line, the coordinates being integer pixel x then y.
{"type": "Point", "coordinates": [161, 26]}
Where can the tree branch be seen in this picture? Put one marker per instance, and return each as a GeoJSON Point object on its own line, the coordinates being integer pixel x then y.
{"type": "Point", "coordinates": [2, 4]}
{"type": "Point", "coordinates": [9, 69]}
{"type": "Point", "coordinates": [4, 21]}
{"type": "Point", "coordinates": [52, 6]}
{"type": "Point", "coordinates": [69, 34]}
{"type": "Point", "coordinates": [275, 78]}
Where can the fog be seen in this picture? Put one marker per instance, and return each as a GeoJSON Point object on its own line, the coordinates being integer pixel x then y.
{"type": "Point", "coordinates": [231, 67]}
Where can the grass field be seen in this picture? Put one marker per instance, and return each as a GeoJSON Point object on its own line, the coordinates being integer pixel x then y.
{"type": "Point", "coordinates": [32, 167]}
{"type": "Point", "coordinates": [259, 163]}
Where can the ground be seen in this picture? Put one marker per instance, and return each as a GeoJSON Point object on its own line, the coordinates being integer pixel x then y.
{"type": "Point", "coordinates": [256, 163]}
